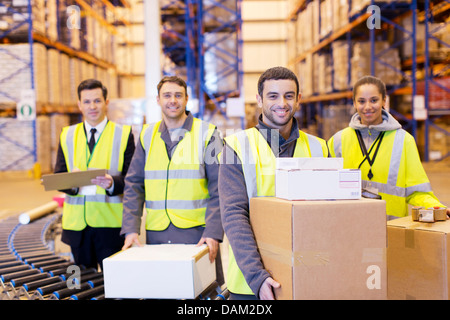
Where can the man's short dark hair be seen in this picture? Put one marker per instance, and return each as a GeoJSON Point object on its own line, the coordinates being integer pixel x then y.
{"type": "Point", "coordinates": [276, 73]}
{"type": "Point", "coordinates": [90, 84]}
{"type": "Point", "coordinates": [173, 79]}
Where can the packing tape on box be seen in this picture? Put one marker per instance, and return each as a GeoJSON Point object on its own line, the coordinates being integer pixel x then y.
{"type": "Point", "coordinates": [315, 258]}
{"type": "Point", "coordinates": [306, 258]}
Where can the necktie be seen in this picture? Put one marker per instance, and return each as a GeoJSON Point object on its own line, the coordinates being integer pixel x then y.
{"type": "Point", "coordinates": [92, 140]}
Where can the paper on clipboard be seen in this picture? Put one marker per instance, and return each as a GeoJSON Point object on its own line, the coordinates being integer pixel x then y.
{"type": "Point", "coordinates": [68, 180]}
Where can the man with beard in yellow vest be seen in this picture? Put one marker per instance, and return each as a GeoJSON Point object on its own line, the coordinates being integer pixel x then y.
{"type": "Point", "coordinates": [92, 215]}
{"type": "Point", "coordinates": [247, 170]}
{"type": "Point", "coordinates": [174, 171]}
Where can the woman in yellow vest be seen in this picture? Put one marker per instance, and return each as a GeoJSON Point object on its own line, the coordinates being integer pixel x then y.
{"type": "Point", "coordinates": [174, 173]}
{"type": "Point", "coordinates": [92, 215]}
{"type": "Point", "coordinates": [386, 154]}
{"type": "Point", "coordinates": [247, 169]}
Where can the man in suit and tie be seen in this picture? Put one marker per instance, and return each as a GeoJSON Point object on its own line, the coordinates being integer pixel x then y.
{"type": "Point", "coordinates": [92, 215]}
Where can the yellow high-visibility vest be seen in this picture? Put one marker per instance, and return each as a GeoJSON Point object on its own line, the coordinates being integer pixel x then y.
{"type": "Point", "coordinates": [397, 170]}
{"type": "Point", "coordinates": [258, 165]}
{"type": "Point", "coordinates": [99, 210]}
{"type": "Point", "coordinates": [176, 189]}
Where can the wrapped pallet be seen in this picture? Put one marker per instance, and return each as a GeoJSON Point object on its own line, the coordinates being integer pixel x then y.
{"type": "Point", "coordinates": [16, 144]}
{"type": "Point", "coordinates": [54, 77]}
{"type": "Point", "coordinates": [14, 20]}
{"type": "Point", "coordinates": [340, 51]}
{"type": "Point", "coordinates": [15, 66]}
{"type": "Point", "coordinates": [43, 146]}
{"type": "Point", "coordinates": [385, 70]}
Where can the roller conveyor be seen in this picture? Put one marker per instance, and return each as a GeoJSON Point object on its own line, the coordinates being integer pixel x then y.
{"type": "Point", "coordinates": [31, 270]}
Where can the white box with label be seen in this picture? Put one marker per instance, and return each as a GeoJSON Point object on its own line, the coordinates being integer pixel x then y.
{"type": "Point", "coordinates": [316, 179]}
{"type": "Point", "coordinates": [164, 271]}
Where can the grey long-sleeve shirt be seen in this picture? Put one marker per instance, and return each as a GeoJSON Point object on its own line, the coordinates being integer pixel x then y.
{"type": "Point", "coordinates": [134, 193]}
{"type": "Point", "coordinates": [234, 206]}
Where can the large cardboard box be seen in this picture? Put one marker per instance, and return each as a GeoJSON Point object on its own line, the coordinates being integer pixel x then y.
{"type": "Point", "coordinates": [323, 249]}
{"type": "Point", "coordinates": [164, 271]}
{"type": "Point", "coordinates": [418, 259]}
{"type": "Point", "coordinates": [316, 179]}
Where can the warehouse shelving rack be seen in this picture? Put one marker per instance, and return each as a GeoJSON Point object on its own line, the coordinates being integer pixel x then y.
{"type": "Point", "coordinates": [226, 24]}
{"type": "Point", "coordinates": [33, 36]}
{"type": "Point", "coordinates": [179, 40]}
{"type": "Point", "coordinates": [193, 43]}
{"type": "Point", "coordinates": [29, 152]}
{"type": "Point", "coordinates": [433, 10]}
{"type": "Point", "coordinates": [391, 14]}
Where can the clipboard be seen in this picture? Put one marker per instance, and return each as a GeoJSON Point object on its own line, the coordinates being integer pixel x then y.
{"type": "Point", "coordinates": [68, 180]}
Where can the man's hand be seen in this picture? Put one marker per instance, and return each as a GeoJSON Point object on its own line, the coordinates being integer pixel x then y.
{"type": "Point", "coordinates": [130, 239]}
{"type": "Point", "coordinates": [213, 246]}
{"type": "Point", "coordinates": [266, 291]}
{"type": "Point", "coordinates": [104, 182]}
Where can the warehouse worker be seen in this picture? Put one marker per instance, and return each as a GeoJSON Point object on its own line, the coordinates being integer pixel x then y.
{"type": "Point", "coordinates": [247, 170]}
{"type": "Point", "coordinates": [174, 171]}
{"type": "Point", "coordinates": [386, 154]}
{"type": "Point", "coordinates": [92, 215]}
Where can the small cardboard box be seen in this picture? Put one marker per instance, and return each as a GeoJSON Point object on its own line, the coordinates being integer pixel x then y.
{"type": "Point", "coordinates": [164, 271]}
{"type": "Point", "coordinates": [418, 257]}
{"type": "Point", "coordinates": [316, 179]}
{"type": "Point", "coordinates": [323, 249]}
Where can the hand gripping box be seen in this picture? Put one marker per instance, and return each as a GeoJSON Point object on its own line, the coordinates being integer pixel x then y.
{"type": "Point", "coordinates": [316, 179]}
{"type": "Point", "coordinates": [164, 271]}
{"type": "Point", "coordinates": [418, 258]}
{"type": "Point", "coordinates": [323, 249]}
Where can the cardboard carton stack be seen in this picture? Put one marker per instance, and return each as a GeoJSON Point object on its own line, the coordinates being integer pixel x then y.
{"type": "Point", "coordinates": [418, 259]}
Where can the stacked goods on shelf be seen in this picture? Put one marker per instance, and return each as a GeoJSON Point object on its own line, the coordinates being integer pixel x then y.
{"type": "Point", "coordinates": [74, 79]}
{"type": "Point", "coordinates": [51, 9]}
{"type": "Point", "coordinates": [308, 27]}
{"type": "Point", "coordinates": [306, 75]}
{"type": "Point", "coordinates": [17, 144]}
{"type": "Point", "coordinates": [57, 122]}
{"type": "Point", "coordinates": [439, 142]}
{"type": "Point", "coordinates": [335, 118]}
{"type": "Point", "coordinates": [16, 73]}
{"type": "Point", "coordinates": [14, 12]}
{"type": "Point", "coordinates": [360, 62]}
{"type": "Point", "coordinates": [438, 98]}
{"type": "Point", "coordinates": [54, 77]}
{"type": "Point", "coordinates": [43, 136]}
{"type": "Point", "coordinates": [69, 32]}
{"type": "Point", "coordinates": [324, 67]}
{"type": "Point", "coordinates": [65, 79]}
{"type": "Point", "coordinates": [340, 14]}
{"type": "Point", "coordinates": [326, 18]}
{"type": "Point", "coordinates": [358, 5]}
{"type": "Point", "coordinates": [340, 62]}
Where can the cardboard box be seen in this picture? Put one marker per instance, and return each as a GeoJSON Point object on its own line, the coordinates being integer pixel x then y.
{"type": "Point", "coordinates": [165, 271]}
{"type": "Point", "coordinates": [418, 259]}
{"type": "Point", "coordinates": [316, 179]}
{"type": "Point", "coordinates": [323, 249]}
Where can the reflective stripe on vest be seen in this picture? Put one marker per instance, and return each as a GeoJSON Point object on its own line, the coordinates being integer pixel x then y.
{"type": "Point", "coordinates": [254, 153]}
{"type": "Point", "coordinates": [99, 210]}
{"type": "Point", "coordinates": [176, 190]}
{"type": "Point", "coordinates": [386, 178]}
